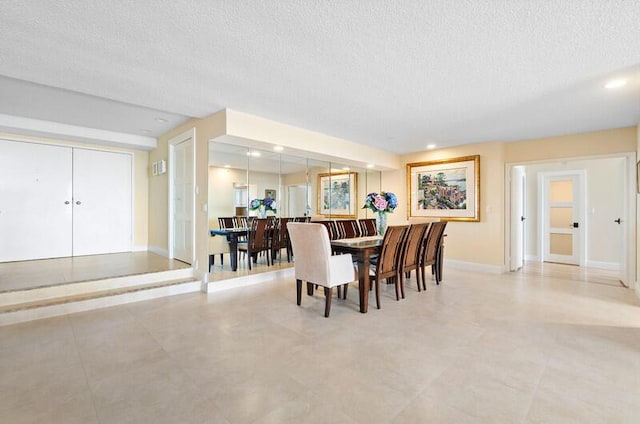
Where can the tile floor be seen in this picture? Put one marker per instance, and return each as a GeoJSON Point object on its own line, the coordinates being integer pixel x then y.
{"type": "Point", "coordinates": [513, 348]}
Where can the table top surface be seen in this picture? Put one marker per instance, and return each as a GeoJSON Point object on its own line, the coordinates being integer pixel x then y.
{"type": "Point", "coordinates": [358, 242]}
{"type": "Point", "coordinates": [225, 231]}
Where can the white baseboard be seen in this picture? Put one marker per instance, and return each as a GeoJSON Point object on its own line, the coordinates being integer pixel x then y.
{"type": "Point", "coordinates": [637, 288]}
{"type": "Point", "coordinates": [613, 266]}
{"type": "Point", "coordinates": [141, 248]}
{"type": "Point", "coordinates": [475, 267]}
{"type": "Point", "coordinates": [249, 280]}
{"type": "Point", "coordinates": [533, 258]}
{"type": "Point", "coordinates": [158, 251]}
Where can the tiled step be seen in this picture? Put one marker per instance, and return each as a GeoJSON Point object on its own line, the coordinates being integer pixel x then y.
{"type": "Point", "coordinates": [45, 308]}
{"type": "Point", "coordinates": [59, 290]}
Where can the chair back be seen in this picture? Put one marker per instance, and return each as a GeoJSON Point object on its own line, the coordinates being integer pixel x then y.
{"type": "Point", "coordinates": [432, 242]}
{"type": "Point", "coordinates": [242, 222]}
{"type": "Point", "coordinates": [311, 249]}
{"type": "Point", "coordinates": [391, 251]}
{"type": "Point", "coordinates": [258, 237]}
{"type": "Point", "coordinates": [227, 222]}
{"type": "Point", "coordinates": [368, 227]}
{"type": "Point", "coordinates": [348, 228]}
{"type": "Point", "coordinates": [413, 246]}
{"type": "Point", "coordinates": [332, 229]}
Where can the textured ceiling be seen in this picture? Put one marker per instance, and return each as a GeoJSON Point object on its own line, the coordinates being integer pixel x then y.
{"type": "Point", "coordinates": [397, 75]}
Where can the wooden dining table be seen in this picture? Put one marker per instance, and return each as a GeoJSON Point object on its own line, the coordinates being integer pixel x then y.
{"type": "Point", "coordinates": [232, 235]}
{"type": "Point", "coordinates": [361, 248]}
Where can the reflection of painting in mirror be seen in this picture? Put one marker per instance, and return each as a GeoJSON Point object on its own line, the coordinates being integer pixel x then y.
{"type": "Point", "coordinates": [270, 193]}
{"type": "Point", "coordinates": [336, 194]}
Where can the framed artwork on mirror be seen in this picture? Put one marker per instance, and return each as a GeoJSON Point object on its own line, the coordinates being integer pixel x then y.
{"type": "Point", "coordinates": [337, 194]}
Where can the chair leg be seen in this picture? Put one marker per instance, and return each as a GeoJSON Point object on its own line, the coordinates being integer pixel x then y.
{"type": "Point", "coordinates": [212, 259]}
{"type": "Point", "coordinates": [396, 282]}
{"type": "Point", "coordinates": [344, 294]}
{"type": "Point", "coordinates": [339, 291]}
{"type": "Point", "coordinates": [299, 291]}
{"type": "Point", "coordinates": [378, 293]}
{"type": "Point", "coordinates": [328, 293]}
{"type": "Point", "coordinates": [221, 259]}
{"type": "Point", "coordinates": [402, 287]}
{"type": "Point", "coordinates": [309, 289]}
{"type": "Point", "coordinates": [418, 278]}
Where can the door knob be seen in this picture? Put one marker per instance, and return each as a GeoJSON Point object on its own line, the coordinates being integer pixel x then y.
{"type": "Point", "coordinates": [78, 202]}
{"type": "Point", "coordinates": [618, 221]}
{"type": "Point", "coordinates": [67, 202]}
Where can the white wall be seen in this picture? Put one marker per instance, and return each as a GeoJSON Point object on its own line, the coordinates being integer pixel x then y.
{"type": "Point", "coordinates": [604, 203]}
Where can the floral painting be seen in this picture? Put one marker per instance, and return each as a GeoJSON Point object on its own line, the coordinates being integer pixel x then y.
{"type": "Point", "coordinates": [446, 189]}
{"type": "Point", "coordinates": [336, 194]}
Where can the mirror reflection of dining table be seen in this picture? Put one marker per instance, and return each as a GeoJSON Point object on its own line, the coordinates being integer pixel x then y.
{"type": "Point", "coordinates": [232, 235]}
{"type": "Point", "coordinates": [361, 248]}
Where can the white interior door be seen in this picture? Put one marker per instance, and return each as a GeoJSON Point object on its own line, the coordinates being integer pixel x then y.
{"type": "Point", "coordinates": [297, 201]}
{"type": "Point", "coordinates": [562, 218]}
{"type": "Point", "coordinates": [35, 201]}
{"type": "Point", "coordinates": [183, 199]}
{"type": "Point", "coordinates": [517, 217]}
{"type": "Point", "coordinates": [102, 196]}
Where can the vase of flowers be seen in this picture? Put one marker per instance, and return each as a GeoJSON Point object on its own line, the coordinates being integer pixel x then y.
{"type": "Point", "coordinates": [262, 206]}
{"type": "Point", "coordinates": [381, 204]}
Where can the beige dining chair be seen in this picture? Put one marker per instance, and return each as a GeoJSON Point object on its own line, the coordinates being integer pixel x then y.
{"type": "Point", "coordinates": [315, 264]}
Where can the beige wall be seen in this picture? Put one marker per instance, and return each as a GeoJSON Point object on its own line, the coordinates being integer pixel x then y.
{"type": "Point", "coordinates": [483, 242]}
{"type": "Point", "coordinates": [140, 181]}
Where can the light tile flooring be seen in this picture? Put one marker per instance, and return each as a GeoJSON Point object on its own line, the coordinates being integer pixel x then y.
{"type": "Point", "coordinates": [513, 348]}
{"type": "Point", "coordinates": [51, 272]}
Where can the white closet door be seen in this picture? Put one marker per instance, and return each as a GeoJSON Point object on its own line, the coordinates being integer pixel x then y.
{"type": "Point", "coordinates": [35, 201]}
{"type": "Point", "coordinates": [101, 202]}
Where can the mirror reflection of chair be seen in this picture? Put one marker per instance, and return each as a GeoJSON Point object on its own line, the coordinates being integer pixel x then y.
{"type": "Point", "coordinates": [387, 264]}
{"type": "Point", "coordinates": [227, 222]}
{"type": "Point", "coordinates": [432, 251]}
{"type": "Point", "coordinates": [411, 255]}
{"type": "Point", "coordinates": [257, 241]}
{"type": "Point", "coordinates": [348, 228]}
{"type": "Point", "coordinates": [218, 245]}
{"type": "Point", "coordinates": [315, 264]}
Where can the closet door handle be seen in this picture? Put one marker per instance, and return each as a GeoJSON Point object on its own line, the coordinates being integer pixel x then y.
{"type": "Point", "coordinates": [67, 202]}
{"type": "Point", "coordinates": [78, 202]}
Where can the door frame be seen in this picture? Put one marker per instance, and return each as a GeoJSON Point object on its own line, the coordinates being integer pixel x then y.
{"type": "Point", "coordinates": [517, 221]}
{"type": "Point", "coordinates": [189, 134]}
{"type": "Point", "coordinates": [628, 273]}
{"type": "Point", "coordinates": [580, 240]}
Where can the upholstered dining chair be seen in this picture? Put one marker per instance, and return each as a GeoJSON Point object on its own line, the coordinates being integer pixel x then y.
{"type": "Point", "coordinates": [431, 250]}
{"type": "Point", "coordinates": [315, 264]}
{"type": "Point", "coordinates": [218, 245]}
{"type": "Point", "coordinates": [411, 256]}
{"type": "Point", "coordinates": [389, 260]}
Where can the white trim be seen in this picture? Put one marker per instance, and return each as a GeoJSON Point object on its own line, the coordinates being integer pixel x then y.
{"type": "Point", "coordinates": [140, 248]}
{"type": "Point", "coordinates": [475, 267]}
{"type": "Point", "coordinates": [613, 266]}
{"type": "Point", "coordinates": [637, 288]}
{"type": "Point", "coordinates": [249, 280]}
{"type": "Point", "coordinates": [158, 251]}
{"type": "Point", "coordinates": [50, 129]}
{"type": "Point", "coordinates": [532, 258]}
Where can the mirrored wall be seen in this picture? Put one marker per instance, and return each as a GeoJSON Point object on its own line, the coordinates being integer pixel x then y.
{"type": "Point", "coordinates": [247, 182]}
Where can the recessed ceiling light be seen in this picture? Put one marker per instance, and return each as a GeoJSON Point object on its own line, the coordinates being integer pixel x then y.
{"type": "Point", "coordinates": [345, 168]}
{"type": "Point", "coordinates": [146, 131]}
{"type": "Point", "coordinates": [370, 165]}
{"type": "Point", "coordinates": [255, 154]}
{"type": "Point", "coordinates": [431, 146]}
{"type": "Point", "coordinates": [616, 83]}
{"type": "Point", "coordinates": [227, 166]}
{"type": "Point", "coordinates": [161, 120]}
{"type": "Point", "coordinates": [278, 148]}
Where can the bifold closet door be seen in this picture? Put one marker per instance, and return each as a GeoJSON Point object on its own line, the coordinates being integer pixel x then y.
{"type": "Point", "coordinates": [35, 201]}
{"type": "Point", "coordinates": [102, 211]}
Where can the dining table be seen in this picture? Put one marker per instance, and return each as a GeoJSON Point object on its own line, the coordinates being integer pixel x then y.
{"type": "Point", "coordinates": [361, 249]}
{"type": "Point", "coordinates": [232, 235]}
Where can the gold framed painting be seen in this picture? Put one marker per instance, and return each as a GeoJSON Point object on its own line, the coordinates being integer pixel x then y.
{"type": "Point", "coordinates": [448, 189]}
{"type": "Point", "coordinates": [337, 194]}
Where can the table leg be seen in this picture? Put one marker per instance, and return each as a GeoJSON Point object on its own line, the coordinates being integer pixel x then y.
{"type": "Point", "coordinates": [233, 252]}
{"type": "Point", "coordinates": [363, 283]}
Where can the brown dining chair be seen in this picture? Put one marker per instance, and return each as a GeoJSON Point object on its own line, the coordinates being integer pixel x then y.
{"type": "Point", "coordinates": [315, 264]}
{"type": "Point", "coordinates": [368, 227]}
{"type": "Point", "coordinates": [332, 229]}
{"type": "Point", "coordinates": [227, 222]}
{"type": "Point", "coordinates": [257, 241]}
{"type": "Point", "coordinates": [387, 264]}
{"type": "Point", "coordinates": [411, 255]}
{"type": "Point", "coordinates": [347, 228]}
{"type": "Point", "coordinates": [431, 250]}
